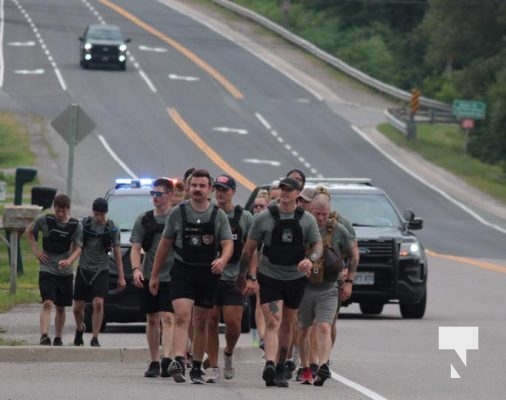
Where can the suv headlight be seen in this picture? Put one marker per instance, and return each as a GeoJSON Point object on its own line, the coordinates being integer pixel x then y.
{"type": "Point", "coordinates": [87, 46]}
{"type": "Point", "coordinates": [410, 250]}
{"type": "Point", "coordinates": [122, 47]}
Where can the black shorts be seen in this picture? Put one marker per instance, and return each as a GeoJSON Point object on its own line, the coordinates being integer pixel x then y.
{"type": "Point", "coordinates": [57, 288]}
{"type": "Point", "coordinates": [227, 294]}
{"type": "Point", "coordinates": [90, 285]}
{"type": "Point", "coordinates": [195, 283]}
{"type": "Point", "coordinates": [290, 292]}
{"type": "Point", "coordinates": [161, 302]}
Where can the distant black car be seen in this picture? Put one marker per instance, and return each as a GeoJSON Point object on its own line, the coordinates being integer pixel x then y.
{"type": "Point", "coordinates": [393, 266]}
{"type": "Point", "coordinates": [103, 45]}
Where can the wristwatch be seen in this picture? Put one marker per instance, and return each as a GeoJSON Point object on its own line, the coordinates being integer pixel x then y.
{"type": "Point", "coordinates": [312, 259]}
{"type": "Point", "coordinates": [349, 281]}
{"type": "Point", "coordinates": [251, 277]}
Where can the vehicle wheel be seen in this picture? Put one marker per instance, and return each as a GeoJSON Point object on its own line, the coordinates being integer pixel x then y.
{"type": "Point", "coordinates": [371, 308]}
{"type": "Point", "coordinates": [88, 311]}
{"type": "Point", "coordinates": [84, 64]}
{"type": "Point", "coordinates": [414, 311]}
{"type": "Point", "coordinates": [122, 67]}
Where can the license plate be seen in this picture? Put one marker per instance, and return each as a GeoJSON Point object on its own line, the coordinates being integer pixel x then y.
{"type": "Point", "coordinates": [364, 278]}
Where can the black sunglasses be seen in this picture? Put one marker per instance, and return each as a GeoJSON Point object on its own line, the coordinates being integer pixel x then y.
{"type": "Point", "coordinates": [156, 193]}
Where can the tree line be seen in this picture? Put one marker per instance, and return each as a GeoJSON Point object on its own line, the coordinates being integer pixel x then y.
{"type": "Point", "coordinates": [448, 49]}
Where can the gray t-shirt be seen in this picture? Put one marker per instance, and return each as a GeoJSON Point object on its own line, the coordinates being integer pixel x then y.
{"type": "Point", "coordinates": [348, 225]}
{"type": "Point", "coordinates": [174, 227]}
{"type": "Point", "coordinates": [39, 225]}
{"type": "Point", "coordinates": [137, 236]}
{"type": "Point", "coordinates": [94, 256]}
{"type": "Point", "coordinates": [261, 230]}
{"type": "Point", "coordinates": [232, 269]}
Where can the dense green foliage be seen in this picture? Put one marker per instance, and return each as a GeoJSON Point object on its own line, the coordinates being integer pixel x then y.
{"type": "Point", "coordinates": [449, 49]}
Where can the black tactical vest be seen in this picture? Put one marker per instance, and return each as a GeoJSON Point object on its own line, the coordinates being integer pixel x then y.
{"type": "Point", "coordinates": [151, 227]}
{"type": "Point", "coordinates": [60, 238]}
{"type": "Point", "coordinates": [199, 239]}
{"type": "Point", "coordinates": [287, 244]}
{"type": "Point", "coordinates": [106, 236]}
{"type": "Point", "coordinates": [237, 235]}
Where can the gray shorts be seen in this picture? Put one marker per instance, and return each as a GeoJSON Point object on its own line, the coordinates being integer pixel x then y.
{"type": "Point", "coordinates": [318, 305]}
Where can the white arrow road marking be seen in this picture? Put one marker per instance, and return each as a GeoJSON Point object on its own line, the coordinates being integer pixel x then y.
{"type": "Point", "coordinates": [21, 44]}
{"type": "Point", "coordinates": [29, 71]}
{"type": "Point", "coordinates": [154, 49]}
{"type": "Point", "coordinates": [184, 78]}
{"type": "Point", "coordinates": [257, 161]}
{"type": "Point", "coordinates": [234, 130]}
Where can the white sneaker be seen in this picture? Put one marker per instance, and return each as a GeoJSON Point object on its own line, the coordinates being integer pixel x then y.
{"type": "Point", "coordinates": [229, 370]}
{"type": "Point", "coordinates": [212, 375]}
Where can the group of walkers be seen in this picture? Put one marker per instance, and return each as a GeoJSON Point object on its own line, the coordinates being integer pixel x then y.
{"type": "Point", "coordinates": [195, 259]}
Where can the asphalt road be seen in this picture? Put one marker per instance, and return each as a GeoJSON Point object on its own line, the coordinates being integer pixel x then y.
{"type": "Point", "coordinates": [184, 83]}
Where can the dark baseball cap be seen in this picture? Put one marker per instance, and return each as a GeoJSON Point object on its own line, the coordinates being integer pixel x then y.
{"type": "Point", "coordinates": [100, 205]}
{"type": "Point", "coordinates": [225, 181]}
{"type": "Point", "coordinates": [289, 183]}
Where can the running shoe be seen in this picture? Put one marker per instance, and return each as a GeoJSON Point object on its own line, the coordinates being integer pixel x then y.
{"type": "Point", "coordinates": [164, 367]}
{"type": "Point", "coordinates": [57, 341]}
{"type": "Point", "coordinates": [94, 342]}
{"type": "Point", "coordinates": [322, 375]}
{"type": "Point", "coordinates": [45, 340]}
{"type": "Point", "coordinates": [197, 376]}
{"type": "Point", "coordinates": [153, 370]}
{"type": "Point", "coordinates": [176, 370]}
{"type": "Point", "coordinates": [78, 338]}
{"type": "Point", "coordinates": [212, 375]}
{"type": "Point", "coordinates": [289, 368]}
{"type": "Point", "coordinates": [307, 376]}
{"type": "Point", "coordinates": [229, 370]}
{"type": "Point", "coordinates": [269, 374]}
{"type": "Point", "coordinates": [280, 377]}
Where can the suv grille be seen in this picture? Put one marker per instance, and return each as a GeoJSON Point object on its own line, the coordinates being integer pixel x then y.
{"type": "Point", "coordinates": [105, 51]}
{"type": "Point", "coordinates": [378, 256]}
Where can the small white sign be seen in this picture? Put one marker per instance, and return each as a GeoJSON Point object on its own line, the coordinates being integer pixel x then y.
{"type": "Point", "coordinates": [3, 190]}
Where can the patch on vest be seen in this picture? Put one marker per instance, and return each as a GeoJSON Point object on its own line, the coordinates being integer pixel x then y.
{"type": "Point", "coordinates": [208, 239]}
{"type": "Point", "coordinates": [195, 240]}
{"type": "Point", "coordinates": [287, 236]}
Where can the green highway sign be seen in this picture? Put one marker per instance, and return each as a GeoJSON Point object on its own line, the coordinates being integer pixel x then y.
{"type": "Point", "coordinates": [469, 109]}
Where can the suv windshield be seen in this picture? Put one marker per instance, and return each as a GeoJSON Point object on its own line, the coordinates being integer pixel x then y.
{"type": "Point", "coordinates": [125, 208]}
{"type": "Point", "coordinates": [104, 34]}
{"type": "Point", "coordinates": [367, 210]}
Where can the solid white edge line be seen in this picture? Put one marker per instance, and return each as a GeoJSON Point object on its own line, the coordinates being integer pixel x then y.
{"type": "Point", "coordinates": [147, 80]}
{"type": "Point", "coordinates": [359, 388]}
{"type": "Point", "coordinates": [463, 207]}
{"type": "Point", "coordinates": [1, 43]}
{"type": "Point", "coordinates": [115, 157]}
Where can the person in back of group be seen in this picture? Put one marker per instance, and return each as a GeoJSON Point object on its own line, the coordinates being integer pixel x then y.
{"type": "Point", "coordinates": [228, 299]}
{"type": "Point", "coordinates": [274, 191]}
{"type": "Point", "coordinates": [61, 246]}
{"type": "Point", "coordinates": [145, 236]}
{"type": "Point", "coordinates": [320, 302]}
{"type": "Point", "coordinates": [285, 231]}
{"type": "Point", "coordinates": [100, 236]}
{"type": "Point", "coordinates": [200, 235]}
{"type": "Point", "coordinates": [257, 317]}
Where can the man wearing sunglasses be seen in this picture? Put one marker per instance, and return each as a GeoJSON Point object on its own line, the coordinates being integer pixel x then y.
{"type": "Point", "coordinates": [145, 236]}
{"type": "Point", "coordinates": [200, 235]}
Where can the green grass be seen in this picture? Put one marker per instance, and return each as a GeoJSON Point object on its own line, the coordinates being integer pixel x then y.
{"type": "Point", "coordinates": [15, 151]}
{"type": "Point", "coordinates": [443, 145]}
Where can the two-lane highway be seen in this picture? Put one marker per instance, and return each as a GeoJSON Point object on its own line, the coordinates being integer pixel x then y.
{"type": "Point", "coordinates": [192, 97]}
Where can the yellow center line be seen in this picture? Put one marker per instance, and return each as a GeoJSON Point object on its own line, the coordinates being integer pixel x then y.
{"type": "Point", "coordinates": [470, 261]}
{"type": "Point", "coordinates": [208, 150]}
{"type": "Point", "coordinates": [183, 50]}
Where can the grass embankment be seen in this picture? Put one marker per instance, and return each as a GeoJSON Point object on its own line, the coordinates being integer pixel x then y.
{"type": "Point", "coordinates": [443, 145]}
{"type": "Point", "coordinates": [15, 151]}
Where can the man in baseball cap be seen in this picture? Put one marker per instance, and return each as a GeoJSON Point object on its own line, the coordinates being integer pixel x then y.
{"type": "Point", "coordinates": [225, 181]}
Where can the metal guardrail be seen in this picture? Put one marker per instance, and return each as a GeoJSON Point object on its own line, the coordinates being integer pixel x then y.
{"type": "Point", "coordinates": [341, 65]}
